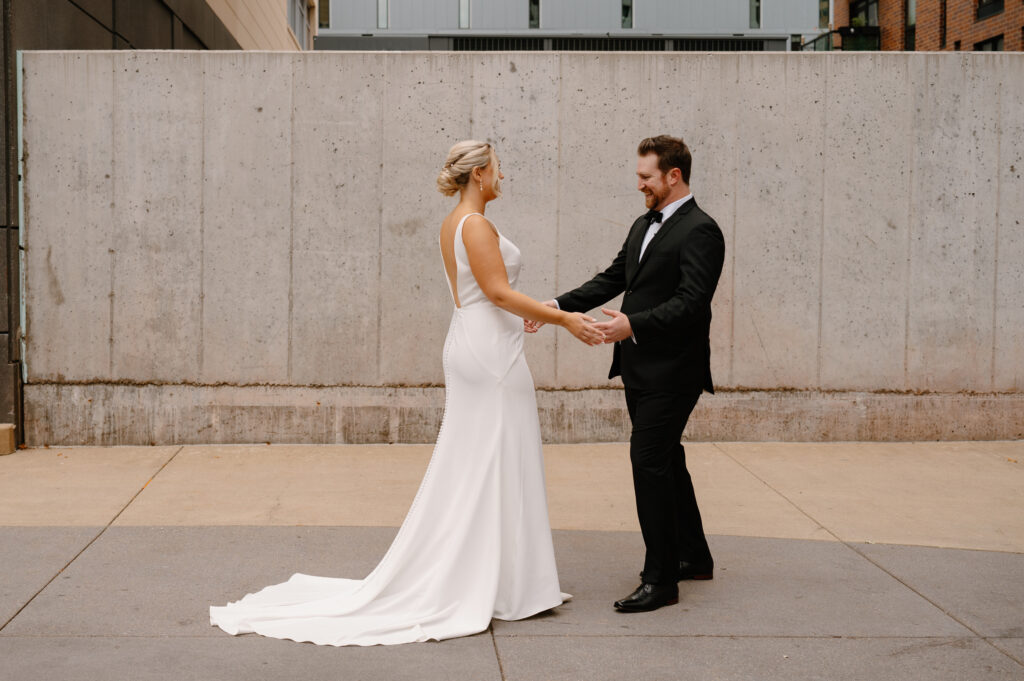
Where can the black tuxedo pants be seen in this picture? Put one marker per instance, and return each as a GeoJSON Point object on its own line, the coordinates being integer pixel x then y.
{"type": "Point", "coordinates": [665, 502]}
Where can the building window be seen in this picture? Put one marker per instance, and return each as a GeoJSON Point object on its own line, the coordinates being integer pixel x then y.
{"type": "Point", "coordinates": [324, 10]}
{"type": "Point", "coordinates": [534, 13]}
{"type": "Point", "coordinates": [463, 13]}
{"type": "Point", "coordinates": [755, 13]}
{"type": "Point", "coordinates": [942, 24]}
{"type": "Point", "coordinates": [864, 13]}
{"type": "Point", "coordinates": [382, 13]}
{"type": "Point", "coordinates": [298, 20]}
{"type": "Point", "coordinates": [823, 13]}
{"type": "Point", "coordinates": [627, 13]}
{"type": "Point", "coordinates": [910, 28]}
{"type": "Point", "coordinates": [987, 8]}
{"type": "Point", "coordinates": [990, 45]}
{"type": "Point", "coordinates": [956, 45]}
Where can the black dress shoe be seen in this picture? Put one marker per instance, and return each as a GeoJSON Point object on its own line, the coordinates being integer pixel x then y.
{"type": "Point", "coordinates": [702, 570]}
{"type": "Point", "coordinates": [649, 597]}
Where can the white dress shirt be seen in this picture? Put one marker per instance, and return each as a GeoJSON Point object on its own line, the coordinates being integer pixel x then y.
{"type": "Point", "coordinates": [666, 213]}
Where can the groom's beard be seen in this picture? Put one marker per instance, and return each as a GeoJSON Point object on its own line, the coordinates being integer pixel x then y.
{"type": "Point", "coordinates": [654, 198]}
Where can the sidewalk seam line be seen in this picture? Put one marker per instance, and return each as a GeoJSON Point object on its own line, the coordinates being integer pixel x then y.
{"type": "Point", "coordinates": [91, 541]}
{"type": "Point", "coordinates": [869, 559]}
{"type": "Point", "coordinates": [497, 654]}
{"type": "Point", "coordinates": [768, 637]}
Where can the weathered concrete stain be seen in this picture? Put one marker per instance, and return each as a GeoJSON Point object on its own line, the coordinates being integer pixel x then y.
{"type": "Point", "coordinates": [107, 414]}
{"type": "Point", "coordinates": [56, 294]}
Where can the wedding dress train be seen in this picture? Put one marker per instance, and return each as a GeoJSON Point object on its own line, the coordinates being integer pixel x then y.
{"type": "Point", "coordinates": [476, 543]}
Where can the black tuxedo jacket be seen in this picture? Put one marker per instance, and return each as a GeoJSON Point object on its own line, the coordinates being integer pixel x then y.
{"type": "Point", "coordinates": [667, 299]}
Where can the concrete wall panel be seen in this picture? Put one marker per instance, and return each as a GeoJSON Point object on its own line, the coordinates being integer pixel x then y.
{"type": "Point", "coordinates": [695, 107]}
{"type": "Point", "coordinates": [780, 132]}
{"type": "Point", "coordinates": [605, 110]}
{"type": "Point", "coordinates": [1008, 348]}
{"type": "Point", "coordinates": [515, 104]}
{"type": "Point", "coordinates": [952, 245]}
{"type": "Point", "coordinates": [864, 272]}
{"type": "Point", "coordinates": [337, 209]}
{"type": "Point", "coordinates": [156, 254]}
{"type": "Point", "coordinates": [247, 224]}
{"type": "Point", "coordinates": [69, 194]}
{"type": "Point", "coordinates": [427, 108]}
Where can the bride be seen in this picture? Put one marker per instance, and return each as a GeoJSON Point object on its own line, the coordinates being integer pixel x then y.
{"type": "Point", "coordinates": [476, 543]}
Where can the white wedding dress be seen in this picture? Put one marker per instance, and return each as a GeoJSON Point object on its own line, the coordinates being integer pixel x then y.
{"type": "Point", "coordinates": [476, 543]}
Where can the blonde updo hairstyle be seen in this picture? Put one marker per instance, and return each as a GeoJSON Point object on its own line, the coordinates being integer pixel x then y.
{"type": "Point", "coordinates": [463, 157]}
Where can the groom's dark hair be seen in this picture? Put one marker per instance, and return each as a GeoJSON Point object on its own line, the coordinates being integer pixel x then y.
{"type": "Point", "coordinates": [672, 153]}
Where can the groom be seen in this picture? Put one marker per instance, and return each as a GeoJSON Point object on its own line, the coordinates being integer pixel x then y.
{"type": "Point", "coordinates": [668, 268]}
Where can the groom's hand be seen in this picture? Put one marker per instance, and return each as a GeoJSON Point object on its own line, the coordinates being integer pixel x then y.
{"type": "Point", "coordinates": [530, 326]}
{"type": "Point", "coordinates": [615, 329]}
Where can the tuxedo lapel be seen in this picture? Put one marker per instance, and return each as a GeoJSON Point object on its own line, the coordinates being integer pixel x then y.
{"type": "Point", "coordinates": [636, 240]}
{"type": "Point", "coordinates": [659, 237]}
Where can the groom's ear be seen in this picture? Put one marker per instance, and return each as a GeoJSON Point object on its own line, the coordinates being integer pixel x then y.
{"type": "Point", "coordinates": [674, 176]}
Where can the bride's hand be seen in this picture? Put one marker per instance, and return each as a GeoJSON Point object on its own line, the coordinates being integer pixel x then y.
{"type": "Point", "coordinates": [580, 325]}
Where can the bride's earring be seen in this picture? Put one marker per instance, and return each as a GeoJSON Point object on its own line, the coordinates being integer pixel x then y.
{"type": "Point", "coordinates": [481, 185]}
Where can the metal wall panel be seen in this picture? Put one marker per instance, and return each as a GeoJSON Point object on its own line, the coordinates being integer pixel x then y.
{"type": "Point", "coordinates": [508, 15]}
{"type": "Point", "coordinates": [692, 16]}
{"type": "Point", "coordinates": [668, 17]}
{"type": "Point", "coordinates": [347, 15]}
{"type": "Point", "coordinates": [580, 15]}
{"type": "Point", "coordinates": [424, 15]}
{"type": "Point", "coordinates": [145, 24]}
{"type": "Point", "coordinates": [789, 15]}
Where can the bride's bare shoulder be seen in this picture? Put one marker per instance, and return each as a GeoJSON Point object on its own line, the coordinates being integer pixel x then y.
{"type": "Point", "coordinates": [475, 222]}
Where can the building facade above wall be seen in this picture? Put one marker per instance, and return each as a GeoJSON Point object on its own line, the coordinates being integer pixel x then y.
{"type": "Point", "coordinates": [269, 24]}
{"type": "Point", "coordinates": [926, 26]}
{"type": "Point", "coordinates": [614, 25]}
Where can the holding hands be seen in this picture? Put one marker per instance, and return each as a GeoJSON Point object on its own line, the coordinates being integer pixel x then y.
{"type": "Point", "coordinates": [585, 328]}
{"type": "Point", "coordinates": [582, 326]}
{"type": "Point", "coordinates": [615, 329]}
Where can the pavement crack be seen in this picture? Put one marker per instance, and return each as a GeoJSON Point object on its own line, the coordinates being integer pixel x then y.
{"type": "Point", "coordinates": [91, 541]}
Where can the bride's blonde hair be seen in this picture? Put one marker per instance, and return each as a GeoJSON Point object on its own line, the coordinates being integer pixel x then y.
{"type": "Point", "coordinates": [458, 167]}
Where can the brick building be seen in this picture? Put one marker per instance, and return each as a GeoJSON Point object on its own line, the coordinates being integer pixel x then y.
{"type": "Point", "coordinates": [932, 25]}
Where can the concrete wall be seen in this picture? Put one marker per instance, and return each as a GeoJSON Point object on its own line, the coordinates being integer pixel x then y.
{"type": "Point", "coordinates": [77, 25]}
{"type": "Point", "coordinates": [243, 247]}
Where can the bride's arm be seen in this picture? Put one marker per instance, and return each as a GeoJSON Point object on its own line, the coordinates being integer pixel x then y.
{"type": "Point", "coordinates": [488, 268]}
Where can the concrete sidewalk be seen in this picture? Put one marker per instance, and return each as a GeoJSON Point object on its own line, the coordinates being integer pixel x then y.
{"type": "Point", "coordinates": [833, 561]}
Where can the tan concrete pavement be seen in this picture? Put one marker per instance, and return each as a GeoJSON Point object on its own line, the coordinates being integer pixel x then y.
{"type": "Point", "coordinates": [74, 487]}
{"type": "Point", "coordinates": [954, 495]}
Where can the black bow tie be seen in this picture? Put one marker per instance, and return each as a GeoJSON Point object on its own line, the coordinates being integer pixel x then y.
{"type": "Point", "coordinates": [652, 216]}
